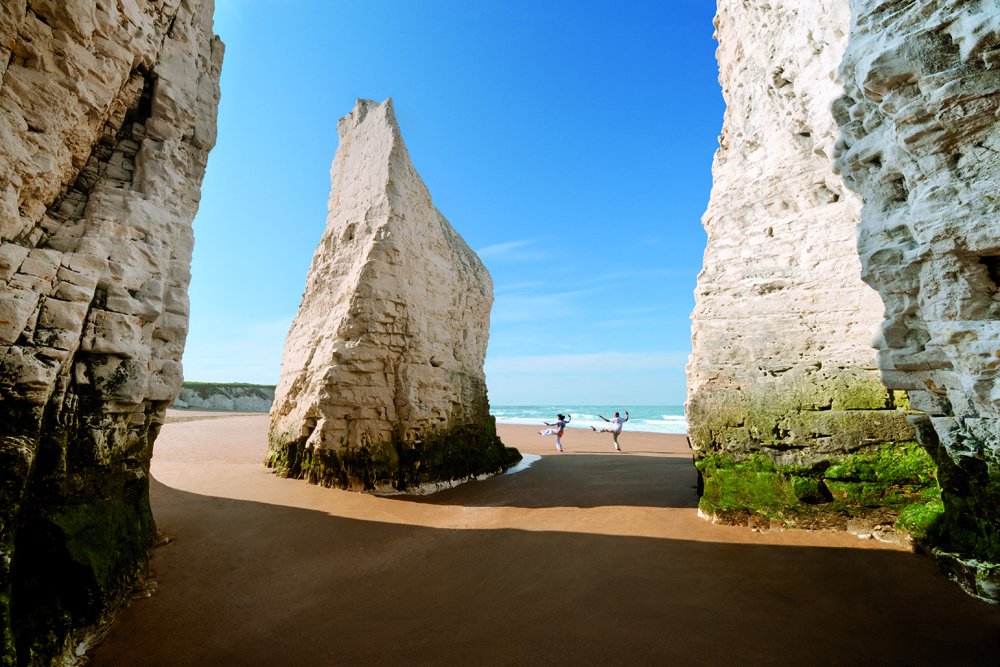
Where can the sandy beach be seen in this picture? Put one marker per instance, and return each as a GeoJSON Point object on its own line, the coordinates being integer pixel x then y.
{"type": "Point", "coordinates": [586, 557]}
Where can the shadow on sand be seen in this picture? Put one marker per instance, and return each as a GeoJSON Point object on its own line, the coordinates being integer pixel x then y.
{"type": "Point", "coordinates": [582, 481]}
{"type": "Point", "coordinates": [257, 584]}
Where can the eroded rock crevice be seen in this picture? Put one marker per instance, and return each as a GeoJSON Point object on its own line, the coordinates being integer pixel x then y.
{"type": "Point", "coordinates": [922, 92]}
{"type": "Point", "coordinates": [111, 164]}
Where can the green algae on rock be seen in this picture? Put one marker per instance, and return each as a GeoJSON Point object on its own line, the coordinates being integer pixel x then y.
{"type": "Point", "coordinates": [452, 455]}
{"type": "Point", "coordinates": [891, 484]}
{"type": "Point", "coordinates": [965, 537]}
{"type": "Point", "coordinates": [783, 451]}
{"type": "Point", "coordinates": [83, 522]}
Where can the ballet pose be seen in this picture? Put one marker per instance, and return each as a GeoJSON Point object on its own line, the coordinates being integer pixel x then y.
{"type": "Point", "coordinates": [615, 429]}
{"type": "Point", "coordinates": [557, 429]}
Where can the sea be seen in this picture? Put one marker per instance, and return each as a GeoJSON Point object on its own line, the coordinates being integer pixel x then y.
{"type": "Point", "coordinates": [649, 418]}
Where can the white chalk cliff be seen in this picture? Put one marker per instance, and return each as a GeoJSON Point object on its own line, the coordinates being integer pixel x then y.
{"type": "Point", "coordinates": [789, 421]}
{"type": "Point", "coordinates": [805, 386]}
{"type": "Point", "coordinates": [782, 328]}
{"type": "Point", "coordinates": [920, 123]}
{"type": "Point", "coordinates": [226, 397]}
{"type": "Point", "coordinates": [107, 116]}
{"type": "Point", "coordinates": [382, 382]}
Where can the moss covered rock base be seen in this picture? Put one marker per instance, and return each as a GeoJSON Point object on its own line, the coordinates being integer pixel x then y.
{"type": "Point", "coordinates": [891, 486]}
{"type": "Point", "coordinates": [442, 456]}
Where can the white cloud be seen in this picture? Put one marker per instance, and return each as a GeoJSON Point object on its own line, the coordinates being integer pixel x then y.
{"type": "Point", "coordinates": [520, 250]}
{"type": "Point", "coordinates": [631, 276]}
{"type": "Point", "coordinates": [528, 308]}
{"type": "Point", "coordinates": [517, 287]}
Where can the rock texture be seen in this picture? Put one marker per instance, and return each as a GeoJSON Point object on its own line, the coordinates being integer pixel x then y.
{"type": "Point", "coordinates": [382, 383]}
{"type": "Point", "coordinates": [784, 399]}
{"type": "Point", "coordinates": [229, 397]}
{"type": "Point", "coordinates": [920, 122]}
{"type": "Point", "coordinates": [107, 115]}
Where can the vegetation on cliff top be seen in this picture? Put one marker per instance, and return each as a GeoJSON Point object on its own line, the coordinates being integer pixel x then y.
{"type": "Point", "coordinates": [206, 389]}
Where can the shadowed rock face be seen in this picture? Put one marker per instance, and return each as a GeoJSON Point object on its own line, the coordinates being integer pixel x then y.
{"type": "Point", "coordinates": [382, 383]}
{"type": "Point", "coordinates": [107, 115]}
{"type": "Point", "coordinates": [920, 141]}
{"type": "Point", "coordinates": [785, 405]}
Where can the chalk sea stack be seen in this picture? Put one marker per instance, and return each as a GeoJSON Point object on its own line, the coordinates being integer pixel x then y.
{"type": "Point", "coordinates": [107, 115]}
{"type": "Point", "coordinates": [382, 383]}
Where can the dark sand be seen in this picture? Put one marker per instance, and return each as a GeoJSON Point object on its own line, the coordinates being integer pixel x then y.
{"type": "Point", "coordinates": [588, 557]}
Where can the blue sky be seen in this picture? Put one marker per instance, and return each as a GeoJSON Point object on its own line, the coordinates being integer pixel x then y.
{"type": "Point", "coordinates": [569, 143]}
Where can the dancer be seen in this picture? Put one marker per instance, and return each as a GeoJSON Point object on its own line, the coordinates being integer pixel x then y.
{"type": "Point", "coordinates": [615, 429]}
{"type": "Point", "coordinates": [558, 429]}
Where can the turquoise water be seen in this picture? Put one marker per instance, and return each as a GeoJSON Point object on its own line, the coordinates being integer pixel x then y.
{"type": "Point", "coordinates": [651, 418]}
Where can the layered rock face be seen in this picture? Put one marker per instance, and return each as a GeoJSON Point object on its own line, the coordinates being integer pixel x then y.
{"type": "Point", "coordinates": [229, 397]}
{"type": "Point", "coordinates": [382, 383]}
{"type": "Point", "coordinates": [107, 115]}
{"type": "Point", "coordinates": [920, 122]}
{"type": "Point", "coordinates": [788, 418]}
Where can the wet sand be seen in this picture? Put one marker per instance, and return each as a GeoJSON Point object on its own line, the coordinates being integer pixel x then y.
{"type": "Point", "coordinates": [587, 557]}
